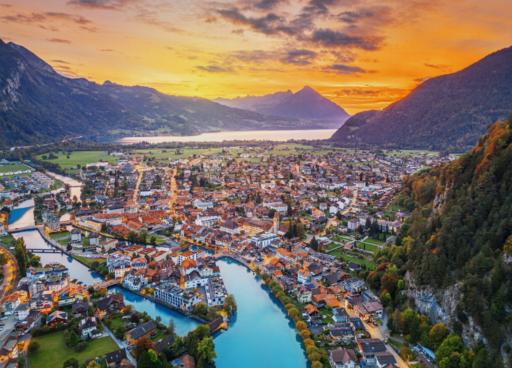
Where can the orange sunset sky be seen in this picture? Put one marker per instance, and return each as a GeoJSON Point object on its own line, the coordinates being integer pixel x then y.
{"type": "Point", "coordinates": [363, 54]}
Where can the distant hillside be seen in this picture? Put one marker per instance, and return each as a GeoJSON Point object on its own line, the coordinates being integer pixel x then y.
{"type": "Point", "coordinates": [306, 104]}
{"type": "Point", "coordinates": [458, 241]}
{"type": "Point", "coordinates": [39, 105]}
{"type": "Point", "coordinates": [449, 112]}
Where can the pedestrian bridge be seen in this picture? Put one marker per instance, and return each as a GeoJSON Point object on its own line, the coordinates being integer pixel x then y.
{"type": "Point", "coordinates": [106, 284]}
{"type": "Point", "coordinates": [45, 250]}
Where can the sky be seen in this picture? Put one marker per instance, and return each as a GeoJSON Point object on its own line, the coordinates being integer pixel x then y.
{"type": "Point", "coordinates": [362, 54]}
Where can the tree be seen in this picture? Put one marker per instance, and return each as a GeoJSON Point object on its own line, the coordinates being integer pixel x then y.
{"type": "Point", "coordinates": [143, 345]}
{"type": "Point", "coordinates": [230, 305]}
{"type": "Point", "coordinates": [206, 352]}
{"type": "Point", "coordinates": [33, 347]}
{"type": "Point", "coordinates": [436, 335]}
{"type": "Point", "coordinates": [149, 359]}
{"type": "Point", "coordinates": [452, 344]}
{"type": "Point", "coordinates": [71, 338]}
{"type": "Point", "coordinates": [200, 309]}
{"type": "Point", "coordinates": [20, 252]}
{"type": "Point", "coordinates": [313, 244]}
{"type": "Point", "coordinates": [71, 363]}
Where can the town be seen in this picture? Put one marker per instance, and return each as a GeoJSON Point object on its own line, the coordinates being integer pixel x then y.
{"type": "Point", "coordinates": [306, 221]}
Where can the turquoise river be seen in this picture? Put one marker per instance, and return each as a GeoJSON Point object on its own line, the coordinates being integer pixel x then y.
{"type": "Point", "coordinates": [259, 336]}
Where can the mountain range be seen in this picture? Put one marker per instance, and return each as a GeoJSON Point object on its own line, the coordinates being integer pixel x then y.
{"type": "Point", "coordinates": [306, 104]}
{"type": "Point", "coordinates": [39, 105]}
{"type": "Point", "coordinates": [449, 112]}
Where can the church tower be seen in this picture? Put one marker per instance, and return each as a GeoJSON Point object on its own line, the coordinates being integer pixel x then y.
{"type": "Point", "coordinates": [275, 227]}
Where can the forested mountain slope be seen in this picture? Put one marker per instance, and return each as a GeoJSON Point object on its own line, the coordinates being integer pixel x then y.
{"type": "Point", "coordinates": [458, 241]}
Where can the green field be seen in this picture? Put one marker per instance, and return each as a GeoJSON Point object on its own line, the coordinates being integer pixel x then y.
{"type": "Point", "coordinates": [175, 154]}
{"type": "Point", "coordinates": [53, 352]}
{"type": "Point", "coordinates": [89, 261]}
{"type": "Point", "coordinates": [367, 246]}
{"type": "Point", "coordinates": [70, 162]}
{"type": "Point", "coordinates": [349, 257]}
{"type": "Point", "coordinates": [61, 237]}
{"type": "Point", "coordinates": [410, 153]}
{"type": "Point", "coordinates": [292, 149]}
{"type": "Point", "coordinates": [13, 167]}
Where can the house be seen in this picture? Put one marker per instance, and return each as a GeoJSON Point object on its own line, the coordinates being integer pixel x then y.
{"type": "Point", "coordinates": [369, 348]}
{"type": "Point", "coordinates": [57, 318]}
{"type": "Point", "coordinates": [144, 330]}
{"type": "Point", "coordinates": [79, 309]}
{"type": "Point", "coordinates": [88, 328]}
{"type": "Point", "coordinates": [342, 332]}
{"type": "Point", "coordinates": [115, 358]}
{"type": "Point", "coordinates": [110, 304]}
{"type": "Point", "coordinates": [163, 344]}
{"type": "Point", "coordinates": [385, 359]}
{"type": "Point", "coordinates": [340, 315]}
{"type": "Point", "coordinates": [343, 358]}
{"type": "Point", "coordinates": [184, 361]}
{"type": "Point", "coordinates": [369, 310]}
{"type": "Point", "coordinates": [76, 236]}
{"type": "Point", "coordinates": [22, 312]}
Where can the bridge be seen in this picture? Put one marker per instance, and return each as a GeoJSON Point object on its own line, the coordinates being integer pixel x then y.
{"type": "Point", "coordinates": [45, 250]}
{"type": "Point", "coordinates": [106, 284]}
{"type": "Point", "coordinates": [233, 256]}
{"type": "Point", "coordinates": [21, 229]}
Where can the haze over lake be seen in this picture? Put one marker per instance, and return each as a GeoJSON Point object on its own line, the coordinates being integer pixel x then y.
{"type": "Point", "coordinates": [248, 135]}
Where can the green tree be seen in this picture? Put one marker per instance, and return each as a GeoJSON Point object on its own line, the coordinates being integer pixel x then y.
{"type": "Point", "coordinates": [33, 347]}
{"type": "Point", "coordinates": [206, 353]}
{"type": "Point", "coordinates": [436, 335]}
{"type": "Point", "coordinates": [71, 363]}
{"type": "Point", "coordinates": [149, 359]}
{"type": "Point", "coordinates": [445, 353]}
{"type": "Point", "coordinates": [230, 305]}
{"type": "Point", "coordinates": [20, 253]}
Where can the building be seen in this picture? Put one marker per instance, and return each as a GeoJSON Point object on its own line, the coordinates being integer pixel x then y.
{"type": "Point", "coordinates": [264, 240]}
{"type": "Point", "coordinates": [176, 297]}
{"type": "Point", "coordinates": [343, 358]}
{"type": "Point", "coordinates": [144, 330]}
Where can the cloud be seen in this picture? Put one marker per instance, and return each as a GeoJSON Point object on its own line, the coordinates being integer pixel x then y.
{"type": "Point", "coordinates": [332, 38]}
{"type": "Point", "coordinates": [214, 68]}
{"type": "Point", "coordinates": [298, 57]}
{"type": "Point", "coordinates": [59, 40]}
{"type": "Point", "coordinates": [270, 23]}
{"type": "Point", "coordinates": [437, 66]}
{"type": "Point", "coordinates": [346, 69]}
{"type": "Point", "coordinates": [267, 4]}
{"type": "Point", "coordinates": [40, 19]}
{"type": "Point", "coordinates": [284, 56]}
{"type": "Point", "coordinates": [100, 4]}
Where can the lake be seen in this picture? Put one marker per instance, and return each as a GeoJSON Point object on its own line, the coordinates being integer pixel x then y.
{"type": "Point", "coordinates": [249, 135]}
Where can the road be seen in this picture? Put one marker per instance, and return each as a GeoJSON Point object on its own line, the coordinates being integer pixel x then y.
{"type": "Point", "coordinates": [173, 195]}
{"type": "Point", "coordinates": [10, 272]}
{"type": "Point", "coordinates": [140, 168]}
{"type": "Point", "coordinates": [382, 333]}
